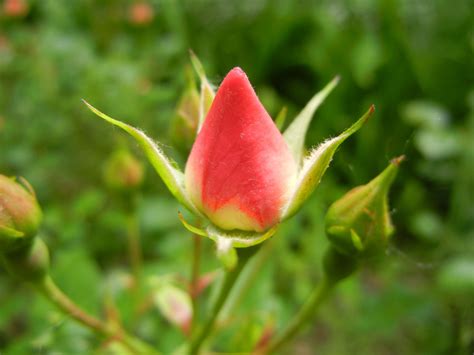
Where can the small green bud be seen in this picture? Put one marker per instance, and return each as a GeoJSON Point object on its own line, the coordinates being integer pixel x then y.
{"type": "Point", "coordinates": [123, 171]}
{"type": "Point", "coordinates": [359, 224]}
{"type": "Point", "coordinates": [185, 122]}
{"type": "Point", "coordinates": [20, 214]}
{"type": "Point", "coordinates": [28, 263]}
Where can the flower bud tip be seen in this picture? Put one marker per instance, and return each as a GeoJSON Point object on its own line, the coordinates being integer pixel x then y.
{"type": "Point", "coordinates": [398, 160]}
{"type": "Point", "coordinates": [372, 109]}
{"type": "Point", "coordinates": [237, 72]}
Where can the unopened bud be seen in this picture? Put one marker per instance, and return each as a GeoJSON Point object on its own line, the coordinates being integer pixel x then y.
{"type": "Point", "coordinates": [20, 214]}
{"type": "Point", "coordinates": [185, 122]}
{"type": "Point", "coordinates": [123, 171]}
{"type": "Point", "coordinates": [28, 263]}
{"type": "Point", "coordinates": [359, 223]}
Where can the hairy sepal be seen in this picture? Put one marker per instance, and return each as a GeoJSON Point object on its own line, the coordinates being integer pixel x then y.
{"type": "Point", "coordinates": [315, 165]}
{"type": "Point", "coordinates": [164, 166]}
{"type": "Point", "coordinates": [207, 93]}
{"type": "Point", "coordinates": [296, 132]}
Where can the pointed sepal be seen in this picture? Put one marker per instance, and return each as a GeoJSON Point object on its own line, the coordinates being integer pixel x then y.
{"type": "Point", "coordinates": [296, 132]}
{"type": "Point", "coordinates": [281, 118]}
{"type": "Point", "coordinates": [315, 165]}
{"type": "Point", "coordinates": [164, 166]}
{"type": "Point", "coordinates": [227, 241]}
{"type": "Point", "coordinates": [207, 93]}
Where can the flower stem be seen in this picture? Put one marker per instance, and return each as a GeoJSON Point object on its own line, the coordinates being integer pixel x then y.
{"type": "Point", "coordinates": [134, 247]}
{"type": "Point", "coordinates": [230, 278]}
{"type": "Point", "coordinates": [318, 295]}
{"type": "Point", "coordinates": [336, 266]}
{"type": "Point", "coordinates": [194, 284]}
{"type": "Point", "coordinates": [58, 298]}
{"type": "Point", "coordinates": [247, 278]}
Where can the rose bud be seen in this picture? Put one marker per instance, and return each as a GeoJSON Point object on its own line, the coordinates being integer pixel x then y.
{"type": "Point", "coordinates": [359, 223]}
{"type": "Point", "coordinates": [243, 177]}
{"type": "Point", "coordinates": [141, 13]}
{"type": "Point", "coordinates": [240, 169]}
{"type": "Point", "coordinates": [20, 214]}
{"type": "Point", "coordinates": [123, 171]}
{"type": "Point", "coordinates": [15, 8]}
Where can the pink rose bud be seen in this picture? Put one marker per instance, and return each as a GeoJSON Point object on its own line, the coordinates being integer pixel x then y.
{"type": "Point", "coordinates": [123, 172]}
{"type": "Point", "coordinates": [20, 214]}
{"type": "Point", "coordinates": [240, 169]}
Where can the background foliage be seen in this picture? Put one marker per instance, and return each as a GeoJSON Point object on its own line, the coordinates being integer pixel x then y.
{"type": "Point", "coordinates": [413, 59]}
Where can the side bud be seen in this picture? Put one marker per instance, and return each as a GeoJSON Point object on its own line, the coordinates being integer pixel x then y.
{"type": "Point", "coordinates": [359, 224]}
{"type": "Point", "coordinates": [123, 171]}
{"type": "Point", "coordinates": [20, 214]}
{"type": "Point", "coordinates": [28, 263]}
{"type": "Point", "coordinates": [185, 121]}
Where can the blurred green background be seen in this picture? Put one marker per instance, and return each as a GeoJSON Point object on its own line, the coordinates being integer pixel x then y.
{"type": "Point", "coordinates": [412, 59]}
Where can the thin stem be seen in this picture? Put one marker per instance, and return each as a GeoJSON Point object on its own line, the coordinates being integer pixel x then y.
{"type": "Point", "coordinates": [134, 246]}
{"type": "Point", "coordinates": [308, 310]}
{"type": "Point", "coordinates": [194, 284]}
{"type": "Point", "coordinates": [230, 278]}
{"type": "Point", "coordinates": [58, 298]}
{"type": "Point", "coordinates": [247, 278]}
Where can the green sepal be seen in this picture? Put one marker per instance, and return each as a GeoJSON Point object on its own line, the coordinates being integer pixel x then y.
{"type": "Point", "coordinates": [357, 240]}
{"type": "Point", "coordinates": [28, 262]}
{"type": "Point", "coordinates": [296, 132]}
{"type": "Point", "coordinates": [240, 239]}
{"type": "Point", "coordinates": [190, 227]}
{"type": "Point", "coordinates": [207, 93]}
{"type": "Point", "coordinates": [227, 241]}
{"type": "Point", "coordinates": [10, 232]}
{"type": "Point", "coordinates": [315, 165]}
{"type": "Point", "coordinates": [281, 118]}
{"type": "Point", "coordinates": [164, 166]}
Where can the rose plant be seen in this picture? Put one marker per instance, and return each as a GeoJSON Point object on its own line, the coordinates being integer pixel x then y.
{"type": "Point", "coordinates": [242, 179]}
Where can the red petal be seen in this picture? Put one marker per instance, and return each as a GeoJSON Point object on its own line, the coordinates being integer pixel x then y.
{"type": "Point", "coordinates": [240, 168]}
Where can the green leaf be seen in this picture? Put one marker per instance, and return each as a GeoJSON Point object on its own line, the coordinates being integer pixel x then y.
{"type": "Point", "coordinates": [315, 165]}
{"type": "Point", "coordinates": [207, 92]}
{"type": "Point", "coordinates": [296, 132]}
{"type": "Point", "coordinates": [164, 166]}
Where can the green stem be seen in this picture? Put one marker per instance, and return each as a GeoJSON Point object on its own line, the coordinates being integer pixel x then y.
{"type": "Point", "coordinates": [54, 294]}
{"type": "Point", "coordinates": [134, 247]}
{"type": "Point", "coordinates": [336, 266]}
{"type": "Point", "coordinates": [252, 271]}
{"type": "Point", "coordinates": [305, 314]}
{"type": "Point", "coordinates": [194, 284]}
{"type": "Point", "coordinates": [230, 278]}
